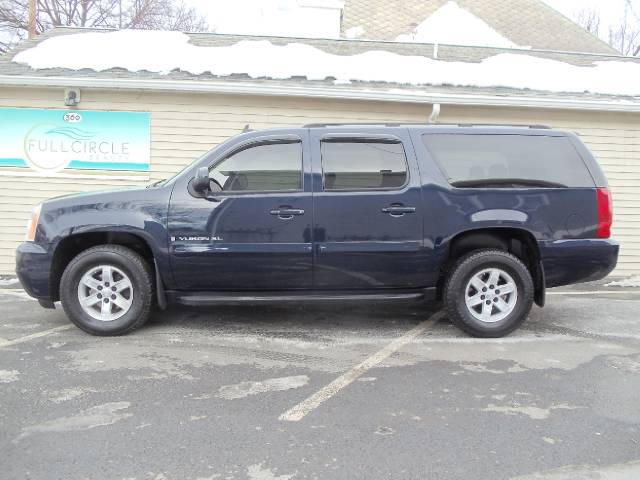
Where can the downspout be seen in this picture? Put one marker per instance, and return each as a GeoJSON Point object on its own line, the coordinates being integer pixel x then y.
{"type": "Point", "coordinates": [435, 113]}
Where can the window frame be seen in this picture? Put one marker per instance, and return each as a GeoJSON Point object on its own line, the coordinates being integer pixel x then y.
{"type": "Point", "coordinates": [257, 142]}
{"type": "Point", "coordinates": [364, 138]}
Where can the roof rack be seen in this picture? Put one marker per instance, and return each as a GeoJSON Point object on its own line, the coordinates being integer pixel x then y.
{"type": "Point", "coordinates": [509, 125]}
{"type": "Point", "coordinates": [359, 124]}
{"type": "Point", "coordinates": [400, 124]}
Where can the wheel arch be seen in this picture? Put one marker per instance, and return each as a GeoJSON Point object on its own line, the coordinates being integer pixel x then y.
{"type": "Point", "coordinates": [517, 241]}
{"type": "Point", "coordinates": [72, 245]}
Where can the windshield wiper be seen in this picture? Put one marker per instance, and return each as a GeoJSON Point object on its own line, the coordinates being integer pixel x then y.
{"type": "Point", "coordinates": [506, 182]}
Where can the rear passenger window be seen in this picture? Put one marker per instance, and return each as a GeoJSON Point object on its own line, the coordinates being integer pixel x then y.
{"type": "Point", "coordinates": [508, 160]}
{"type": "Point", "coordinates": [357, 165]}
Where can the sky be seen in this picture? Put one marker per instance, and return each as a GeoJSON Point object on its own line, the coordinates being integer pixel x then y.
{"type": "Point", "coordinates": [231, 16]}
{"type": "Point", "coordinates": [610, 11]}
{"type": "Point", "coordinates": [250, 17]}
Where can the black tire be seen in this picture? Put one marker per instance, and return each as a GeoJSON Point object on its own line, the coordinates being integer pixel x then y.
{"type": "Point", "coordinates": [455, 295]}
{"type": "Point", "coordinates": [129, 262]}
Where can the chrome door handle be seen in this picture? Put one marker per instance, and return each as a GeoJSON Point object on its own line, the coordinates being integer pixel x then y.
{"type": "Point", "coordinates": [398, 210]}
{"type": "Point", "coordinates": [286, 213]}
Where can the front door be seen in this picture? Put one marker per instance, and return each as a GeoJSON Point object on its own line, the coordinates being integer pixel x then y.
{"type": "Point", "coordinates": [253, 231]}
{"type": "Point", "coordinates": [368, 211]}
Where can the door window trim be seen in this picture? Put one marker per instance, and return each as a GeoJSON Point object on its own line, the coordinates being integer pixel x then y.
{"type": "Point", "coordinates": [255, 142]}
{"type": "Point", "coordinates": [364, 138]}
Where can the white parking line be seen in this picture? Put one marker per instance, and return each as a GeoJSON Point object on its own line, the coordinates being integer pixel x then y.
{"type": "Point", "coordinates": [594, 292]}
{"type": "Point", "coordinates": [33, 336]}
{"type": "Point", "coordinates": [299, 411]}
{"type": "Point", "coordinates": [16, 292]}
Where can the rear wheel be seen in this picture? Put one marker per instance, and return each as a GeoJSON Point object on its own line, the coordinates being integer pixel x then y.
{"type": "Point", "coordinates": [107, 290]}
{"type": "Point", "coordinates": [488, 293]}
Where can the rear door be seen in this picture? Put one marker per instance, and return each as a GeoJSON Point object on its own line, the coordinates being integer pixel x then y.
{"type": "Point", "coordinates": [367, 210]}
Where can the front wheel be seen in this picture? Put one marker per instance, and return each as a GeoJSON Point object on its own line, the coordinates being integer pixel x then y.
{"type": "Point", "coordinates": [107, 290]}
{"type": "Point", "coordinates": [488, 293]}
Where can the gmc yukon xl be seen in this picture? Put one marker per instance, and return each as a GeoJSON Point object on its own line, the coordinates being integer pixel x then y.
{"type": "Point", "coordinates": [483, 218]}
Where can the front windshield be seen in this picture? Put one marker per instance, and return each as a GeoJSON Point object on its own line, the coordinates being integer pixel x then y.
{"type": "Point", "coordinates": [167, 181]}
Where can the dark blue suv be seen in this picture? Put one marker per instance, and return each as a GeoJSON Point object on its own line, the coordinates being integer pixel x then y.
{"type": "Point", "coordinates": [484, 218]}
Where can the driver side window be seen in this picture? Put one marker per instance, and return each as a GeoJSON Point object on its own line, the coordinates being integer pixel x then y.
{"type": "Point", "coordinates": [263, 167]}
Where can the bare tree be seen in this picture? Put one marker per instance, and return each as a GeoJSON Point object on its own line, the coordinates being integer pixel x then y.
{"type": "Point", "coordinates": [635, 13]}
{"type": "Point", "coordinates": [164, 15]}
{"type": "Point", "coordinates": [625, 37]}
{"type": "Point", "coordinates": [589, 19]}
{"type": "Point", "coordinates": [143, 14]}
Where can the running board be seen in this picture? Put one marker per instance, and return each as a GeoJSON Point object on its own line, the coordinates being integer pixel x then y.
{"type": "Point", "coordinates": [234, 298]}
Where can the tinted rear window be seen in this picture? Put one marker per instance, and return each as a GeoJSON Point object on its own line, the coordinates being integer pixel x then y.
{"type": "Point", "coordinates": [508, 160]}
{"type": "Point", "coordinates": [355, 165]}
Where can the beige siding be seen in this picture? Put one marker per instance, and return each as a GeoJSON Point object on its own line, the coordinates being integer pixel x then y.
{"type": "Point", "coordinates": [184, 126]}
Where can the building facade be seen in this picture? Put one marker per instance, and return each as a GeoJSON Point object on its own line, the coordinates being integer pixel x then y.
{"type": "Point", "coordinates": [188, 114]}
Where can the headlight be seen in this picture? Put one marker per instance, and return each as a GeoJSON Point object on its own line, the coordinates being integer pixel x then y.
{"type": "Point", "coordinates": [32, 226]}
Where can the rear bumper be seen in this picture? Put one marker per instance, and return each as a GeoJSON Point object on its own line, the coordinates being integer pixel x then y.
{"type": "Point", "coordinates": [576, 261]}
{"type": "Point", "coordinates": [33, 267]}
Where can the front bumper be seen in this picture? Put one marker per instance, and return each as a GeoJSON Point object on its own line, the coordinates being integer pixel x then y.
{"type": "Point", "coordinates": [575, 261]}
{"type": "Point", "coordinates": [33, 267]}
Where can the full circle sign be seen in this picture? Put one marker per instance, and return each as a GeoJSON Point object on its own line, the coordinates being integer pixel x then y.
{"type": "Point", "coordinates": [46, 149]}
{"type": "Point", "coordinates": [87, 142]}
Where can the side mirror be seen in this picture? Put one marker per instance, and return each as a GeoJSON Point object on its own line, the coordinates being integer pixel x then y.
{"type": "Point", "coordinates": [201, 183]}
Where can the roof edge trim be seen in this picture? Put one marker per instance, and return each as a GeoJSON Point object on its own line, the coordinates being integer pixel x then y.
{"type": "Point", "coordinates": [334, 92]}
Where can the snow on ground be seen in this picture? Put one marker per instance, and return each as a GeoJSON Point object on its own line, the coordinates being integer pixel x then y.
{"type": "Point", "coordinates": [5, 282]}
{"type": "Point", "coordinates": [162, 52]}
{"type": "Point", "coordinates": [453, 25]}
{"type": "Point", "coordinates": [626, 282]}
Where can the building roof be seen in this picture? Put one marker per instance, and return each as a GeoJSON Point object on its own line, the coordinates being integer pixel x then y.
{"type": "Point", "coordinates": [525, 22]}
{"type": "Point", "coordinates": [244, 79]}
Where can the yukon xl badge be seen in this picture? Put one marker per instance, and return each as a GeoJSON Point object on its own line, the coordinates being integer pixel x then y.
{"type": "Point", "coordinates": [196, 239]}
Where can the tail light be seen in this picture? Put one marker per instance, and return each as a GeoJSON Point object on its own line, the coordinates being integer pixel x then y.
{"type": "Point", "coordinates": [605, 213]}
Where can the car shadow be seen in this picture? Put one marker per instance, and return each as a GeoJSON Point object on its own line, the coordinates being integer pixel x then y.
{"type": "Point", "coordinates": [296, 317]}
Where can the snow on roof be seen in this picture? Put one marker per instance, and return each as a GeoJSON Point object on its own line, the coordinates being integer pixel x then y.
{"type": "Point", "coordinates": [354, 32]}
{"type": "Point", "coordinates": [453, 25]}
{"type": "Point", "coordinates": [163, 52]}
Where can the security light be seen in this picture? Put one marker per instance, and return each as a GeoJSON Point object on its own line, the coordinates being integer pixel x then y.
{"type": "Point", "coordinates": [71, 97]}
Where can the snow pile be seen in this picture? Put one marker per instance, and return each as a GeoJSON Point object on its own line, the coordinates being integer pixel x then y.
{"type": "Point", "coordinates": [626, 282]}
{"type": "Point", "coordinates": [453, 25]}
{"type": "Point", "coordinates": [162, 52]}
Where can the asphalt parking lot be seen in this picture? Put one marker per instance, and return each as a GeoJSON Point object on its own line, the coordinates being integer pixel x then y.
{"type": "Point", "coordinates": [339, 392]}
